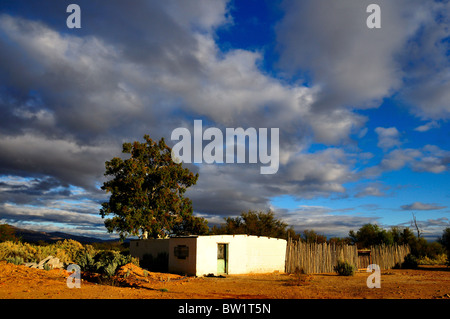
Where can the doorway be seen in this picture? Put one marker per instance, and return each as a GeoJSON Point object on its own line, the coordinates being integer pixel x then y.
{"type": "Point", "coordinates": [222, 259]}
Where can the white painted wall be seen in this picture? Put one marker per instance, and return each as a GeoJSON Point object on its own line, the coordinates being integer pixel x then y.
{"type": "Point", "coordinates": [246, 254]}
{"type": "Point", "coordinates": [265, 254]}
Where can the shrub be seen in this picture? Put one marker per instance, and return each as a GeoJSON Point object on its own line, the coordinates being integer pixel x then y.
{"type": "Point", "coordinates": [85, 259]}
{"type": "Point", "coordinates": [67, 250]}
{"type": "Point", "coordinates": [43, 251]}
{"type": "Point", "coordinates": [344, 268]}
{"type": "Point", "coordinates": [16, 260]}
{"type": "Point", "coordinates": [110, 269]}
{"type": "Point", "coordinates": [107, 262]}
{"type": "Point", "coordinates": [12, 249]}
{"type": "Point", "coordinates": [410, 262]}
{"type": "Point", "coordinates": [47, 267]}
{"type": "Point", "coordinates": [437, 260]}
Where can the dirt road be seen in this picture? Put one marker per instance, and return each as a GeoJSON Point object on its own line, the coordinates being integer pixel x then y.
{"type": "Point", "coordinates": [432, 282]}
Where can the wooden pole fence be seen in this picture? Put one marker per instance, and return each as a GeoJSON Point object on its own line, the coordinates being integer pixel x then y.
{"type": "Point", "coordinates": [311, 258]}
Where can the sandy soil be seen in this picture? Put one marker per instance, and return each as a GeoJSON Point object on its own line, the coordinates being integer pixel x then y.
{"type": "Point", "coordinates": [428, 282]}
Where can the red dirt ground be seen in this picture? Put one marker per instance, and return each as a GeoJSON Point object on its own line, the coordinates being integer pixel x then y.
{"type": "Point", "coordinates": [427, 282]}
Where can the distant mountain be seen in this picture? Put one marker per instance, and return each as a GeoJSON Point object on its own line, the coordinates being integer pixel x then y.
{"type": "Point", "coordinates": [35, 236]}
{"type": "Point", "coordinates": [81, 239]}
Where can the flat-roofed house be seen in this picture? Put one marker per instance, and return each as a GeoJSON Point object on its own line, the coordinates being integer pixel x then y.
{"type": "Point", "coordinates": [217, 254]}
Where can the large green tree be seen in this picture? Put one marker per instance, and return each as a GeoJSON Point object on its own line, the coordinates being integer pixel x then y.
{"type": "Point", "coordinates": [147, 192]}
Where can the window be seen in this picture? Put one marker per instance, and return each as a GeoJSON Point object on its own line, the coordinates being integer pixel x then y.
{"type": "Point", "coordinates": [181, 251]}
{"type": "Point", "coordinates": [221, 251]}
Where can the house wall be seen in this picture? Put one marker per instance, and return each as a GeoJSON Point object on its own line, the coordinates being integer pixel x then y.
{"type": "Point", "coordinates": [138, 248]}
{"type": "Point", "coordinates": [207, 254]}
{"type": "Point", "coordinates": [187, 265]}
{"type": "Point", "coordinates": [246, 254]}
{"type": "Point", "coordinates": [265, 254]}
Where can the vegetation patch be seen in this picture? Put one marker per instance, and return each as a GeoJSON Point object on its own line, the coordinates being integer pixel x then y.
{"type": "Point", "coordinates": [344, 268]}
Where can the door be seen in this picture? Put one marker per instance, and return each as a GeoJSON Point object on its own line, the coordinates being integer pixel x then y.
{"type": "Point", "coordinates": [222, 259]}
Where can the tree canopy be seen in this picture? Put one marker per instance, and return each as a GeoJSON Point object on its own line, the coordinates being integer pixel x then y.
{"type": "Point", "coordinates": [147, 193]}
{"type": "Point", "coordinates": [444, 240]}
{"type": "Point", "coordinates": [369, 235]}
{"type": "Point", "coordinates": [310, 236]}
{"type": "Point", "coordinates": [253, 223]}
{"type": "Point", "coordinates": [7, 233]}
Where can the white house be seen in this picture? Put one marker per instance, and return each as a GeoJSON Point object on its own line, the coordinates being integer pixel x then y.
{"type": "Point", "coordinates": [218, 254]}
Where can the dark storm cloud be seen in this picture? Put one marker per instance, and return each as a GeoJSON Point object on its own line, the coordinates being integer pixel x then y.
{"type": "Point", "coordinates": [30, 191]}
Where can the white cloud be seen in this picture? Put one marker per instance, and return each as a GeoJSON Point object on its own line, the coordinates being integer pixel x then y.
{"type": "Point", "coordinates": [354, 65]}
{"type": "Point", "coordinates": [323, 220]}
{"type": "Point", "coordinates": [427, 63]}
{"type": "Point", "coordinates": [357, 67]}
{"type": "Point", "coordinates": [371, 190]}
{"type": "Point", "coordinates": [388, 137]}
{"type": "Point", "coordinates": [427, 126]}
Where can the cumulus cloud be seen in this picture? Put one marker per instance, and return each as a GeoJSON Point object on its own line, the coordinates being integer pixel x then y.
{"type": "Point", "coordinates": [427, 63]}
{"type": "Point", "coordinates": [429, 158]}
{"type": "Point", "coordinates": [79, 95]}
{"type": "Point", "coordinates": [354, 65]}
{"type": "Point", "coordinates": [374, 189]}
{"type": "Point", "coordinates": [231, 189]}
{"type": "Point", "coordinates": [84, 95]}
{"type": "Point", "coordinates": [388, 137]}
{"type": "Point", "coordinates": [70, 98]}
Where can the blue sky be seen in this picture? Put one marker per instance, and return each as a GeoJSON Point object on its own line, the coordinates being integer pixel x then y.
{"type": "Point", "coordinates": [363, 113]}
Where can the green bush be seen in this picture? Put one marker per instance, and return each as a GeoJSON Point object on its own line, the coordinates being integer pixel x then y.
{"type": "Point", "coordinates": [47, 267]}
{"type": "Point", "coordinates": [85, 259]}
{"type": "Point", "coordinates": [107, 262]}
{"type": "Point", "coordinates": [437, 260]}
{"type": "Point", "coordinates": [344, 268]}
{"type": "Point", "coordinates": [64, 250]}
{"type": "Point", "coordinates": [17, 249]}
{"type": "Point", "coordinates": [110, 269]}
{"type": "Point", "coordinates": [67, 250]}
{"type": "Point", "coordinates": [16, 260]}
